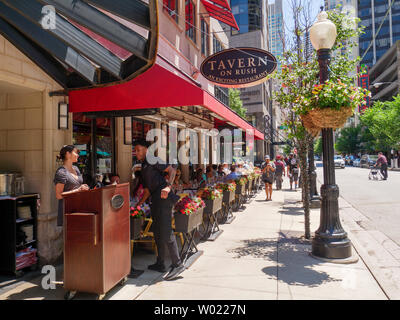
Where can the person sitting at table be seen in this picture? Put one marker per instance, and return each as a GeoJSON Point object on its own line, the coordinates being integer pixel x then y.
{"type": "Point", "coordinates": [178, 183]}
{"type": "Point", "coordinates": [210, 175]}
{"type": "Point", "coordinates": [220, 171]}
{"type": "Point", "coordinates": [201, 178]}
{"type": "Point", "coordinates": [234, 175]}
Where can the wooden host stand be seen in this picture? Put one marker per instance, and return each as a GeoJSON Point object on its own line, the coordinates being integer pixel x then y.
{"type": "Point", "coordinates": [96, 240]}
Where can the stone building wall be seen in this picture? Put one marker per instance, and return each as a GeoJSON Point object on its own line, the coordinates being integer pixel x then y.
{"type": "Point", "coordinates": [30, 139]}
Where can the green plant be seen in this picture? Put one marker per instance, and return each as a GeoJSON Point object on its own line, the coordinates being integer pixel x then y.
{"type": "Point", "coordinates": [235, 103]}
{"type": "Point", "coordinates": [335, 94]}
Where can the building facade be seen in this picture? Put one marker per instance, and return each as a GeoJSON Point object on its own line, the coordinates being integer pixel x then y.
{"type": "Point", "coordinates": [372, 13]}
{"type": "Point", "coordinates": [384, 75]}
{"type": "Point", "coordinates": [276, 29]}
{"type": "Point", "coordinates": [30, 135]}
{"type": "Point", "coordinates": [252, 19]}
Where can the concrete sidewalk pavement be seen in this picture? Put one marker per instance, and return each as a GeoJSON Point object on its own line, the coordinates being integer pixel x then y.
{"type": "Point", "coordinates": [260, 256]}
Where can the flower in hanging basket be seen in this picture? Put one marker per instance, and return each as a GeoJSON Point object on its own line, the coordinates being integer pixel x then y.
{"type": "Point", "coordinates": [333, 102]}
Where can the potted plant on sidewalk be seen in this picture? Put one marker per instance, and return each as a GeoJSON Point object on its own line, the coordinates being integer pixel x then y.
{"type": "Point", "coordinates": [137, 215]}
{"type": "Point", "coordinates": [188, 214]}
{"type": "Point", "coordinates": [241, 185]}
{"type": "Point", "coordinates": [213, 200]}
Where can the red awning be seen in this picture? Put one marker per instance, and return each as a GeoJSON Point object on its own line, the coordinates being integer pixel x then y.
{"type": "Point", "coordinates": [160, 87]}
{"type": "Point", "coordinates": [220, 10]}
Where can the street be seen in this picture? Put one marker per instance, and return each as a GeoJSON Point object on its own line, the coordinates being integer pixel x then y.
{"type": "Point", "coordinates": [377, 200]}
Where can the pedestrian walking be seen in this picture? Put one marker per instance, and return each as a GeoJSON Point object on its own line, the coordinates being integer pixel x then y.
{"type": "Point", "coordinates": [162, 203]}
{"type": "Point", "coordinates": [279, 172]}
{"type": "Point", "coordinates": [293, 171]}
{"type": "Point", "coordinates": [268, 169]}
{"type": "Point", "coordinates": [383, 164]}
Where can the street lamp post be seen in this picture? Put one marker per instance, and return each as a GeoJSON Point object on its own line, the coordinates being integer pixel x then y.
{"type": "Point", "coordinates": [330, 239]}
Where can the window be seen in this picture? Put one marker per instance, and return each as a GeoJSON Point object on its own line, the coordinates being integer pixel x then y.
{"type": "Point", "coordinates": [139, 131]}
{"type": "Point", "coordinates": [171, 6]}
{"type": "Point", "coordinates": [91, 162]}
{"type": "Point", "coordinates": [205, 30]}
{"type": "Point", "coordinates": [190, 16]}
{"type": "Point", "coordinates": [217, 46]}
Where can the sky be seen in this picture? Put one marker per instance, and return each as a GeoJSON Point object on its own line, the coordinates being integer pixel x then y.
{"type": "Point", "coordinates": [316, 4]}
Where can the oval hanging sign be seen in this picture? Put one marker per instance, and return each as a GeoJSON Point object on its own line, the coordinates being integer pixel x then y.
{"type": "Point", "coordinates": [238, 67]}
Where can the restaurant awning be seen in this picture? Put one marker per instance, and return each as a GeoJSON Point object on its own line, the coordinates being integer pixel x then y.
{"type": "Point", "coordinates": [160, 87]}
{"type": "Point", "coordinates": [82, 43]}
{"type": "Point", "coordinates": [220, 10]}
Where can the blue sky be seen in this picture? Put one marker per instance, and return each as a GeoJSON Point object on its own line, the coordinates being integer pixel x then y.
{"type": "Point", "coordinates": [316, 4]}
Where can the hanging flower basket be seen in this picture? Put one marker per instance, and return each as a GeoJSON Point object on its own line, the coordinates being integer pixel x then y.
{"type": "Point", "coordinates": [312, 129]}
{"type": "Point", "coordinates": [330, 118]}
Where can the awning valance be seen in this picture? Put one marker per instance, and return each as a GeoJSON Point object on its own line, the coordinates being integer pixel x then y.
{"type": "Point", "coordinates": [220, 10]}
{"type": "Point", "coordinates": [160, 87]}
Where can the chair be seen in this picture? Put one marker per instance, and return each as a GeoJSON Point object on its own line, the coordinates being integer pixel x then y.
{"type": "Point", "coordinates": [146, 236]}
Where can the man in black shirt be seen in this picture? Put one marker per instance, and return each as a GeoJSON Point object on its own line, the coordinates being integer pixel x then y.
{"type": "Point", "coordinates": [162, 203]}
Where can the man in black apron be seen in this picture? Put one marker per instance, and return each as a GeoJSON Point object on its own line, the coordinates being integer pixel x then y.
{"type": "Point", "coordinates": [162, 203]}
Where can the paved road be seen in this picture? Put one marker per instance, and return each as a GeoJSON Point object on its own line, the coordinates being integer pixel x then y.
{"type": "Point", "coordinates": [377, 200]}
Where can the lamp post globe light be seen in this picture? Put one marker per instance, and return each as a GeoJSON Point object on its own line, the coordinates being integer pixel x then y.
{"type": "Point", "coordinates": [330, 240]}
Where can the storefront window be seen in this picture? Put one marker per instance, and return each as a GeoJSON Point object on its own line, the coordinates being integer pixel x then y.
{"type": "Point", "coordinates": [140, 128]}
{"type": "Point", "coordinates": [90, 162]}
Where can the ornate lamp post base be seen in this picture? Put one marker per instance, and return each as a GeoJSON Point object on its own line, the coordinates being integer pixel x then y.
{"type": "Point", "coordinates": [330, 239]}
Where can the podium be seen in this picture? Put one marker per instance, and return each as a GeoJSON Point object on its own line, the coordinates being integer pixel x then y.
{"type": "Point", "coordinates": [96, 240]}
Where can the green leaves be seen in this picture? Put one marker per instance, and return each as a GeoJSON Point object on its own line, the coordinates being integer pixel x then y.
{"type": "Point", "coordinates": [382, 121]}
{"type": "Point", "coordinates": [235, 103]}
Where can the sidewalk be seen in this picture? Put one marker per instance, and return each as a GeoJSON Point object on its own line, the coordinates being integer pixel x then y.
{"type": "Point", "coordinates": [261, 255]}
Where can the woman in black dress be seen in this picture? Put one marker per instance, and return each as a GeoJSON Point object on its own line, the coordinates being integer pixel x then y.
{"type": "Point", "coordinates": [67, 178]}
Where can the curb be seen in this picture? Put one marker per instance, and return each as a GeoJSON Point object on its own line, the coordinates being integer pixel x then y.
{"type": "Point", "coordinates": [367, 243]}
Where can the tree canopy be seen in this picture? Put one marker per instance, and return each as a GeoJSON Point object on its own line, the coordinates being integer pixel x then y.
{"type": "Point", "coordinates": [235, 103]}
{"type": "Point", "coordinates": [382, 121]}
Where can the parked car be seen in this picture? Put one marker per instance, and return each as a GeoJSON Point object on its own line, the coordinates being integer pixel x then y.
{"type": "Point", "coordinates": [339, 162]}
{"type": "Point", "coordinates": [356, 162]}
{"type": "Point", "coordinates": [368, 161]}
{"type": "Point", "coordinates": [317, 158]}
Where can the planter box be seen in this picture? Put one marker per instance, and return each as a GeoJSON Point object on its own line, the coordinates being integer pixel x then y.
{"type": "Point", "coordinates": [240, 189]}
{"type": "Point", "coordinates": [136, 227]}
{"type": "Point", "coordinates": [187, 223]}
{"type": "Point", "coordinates": [212, 206]}
{"type": "Point", "coordinates": [228, 196]}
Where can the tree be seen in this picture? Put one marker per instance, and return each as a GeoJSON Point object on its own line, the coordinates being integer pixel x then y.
{"type": "Point", "coordinates": [348, 140]}
{"type": "Point", "coordinates": [235, 103]}
{"type": "Point", "coordinates": [382, 122]}
{"type": "Point", "coordinates": [299, 76]}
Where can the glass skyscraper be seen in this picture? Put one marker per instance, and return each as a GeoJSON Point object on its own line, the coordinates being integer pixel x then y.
{"type": "Point", "coordinates": [247, 14]}
{"type": "Point", "coordinates": [276, 29]}
{"type": "Point", "coordinates": [371, 13]}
